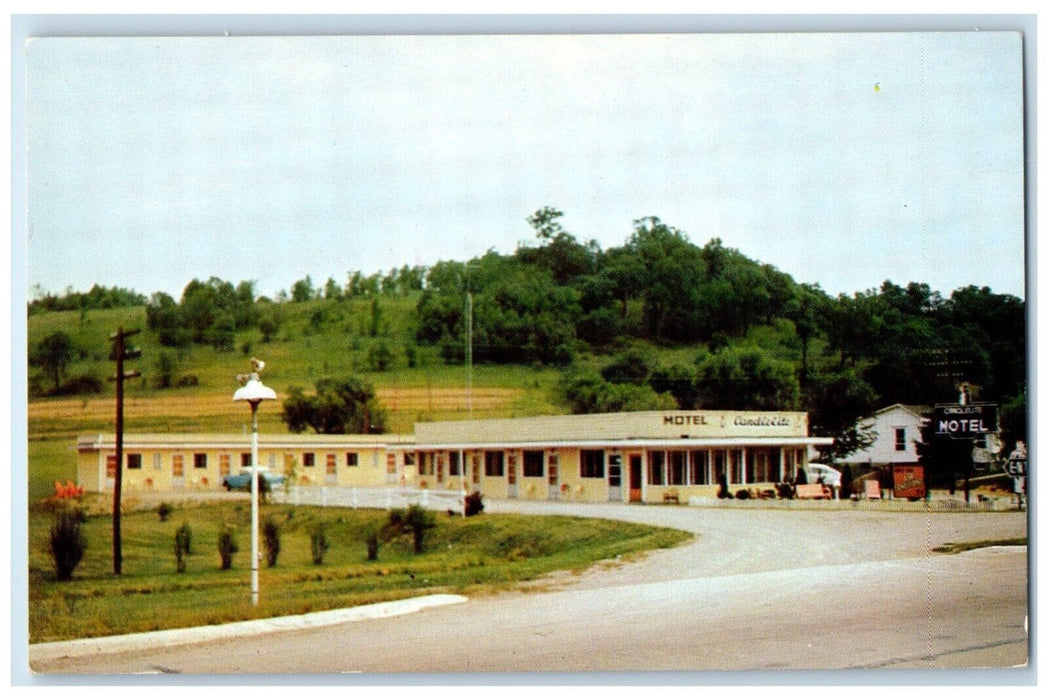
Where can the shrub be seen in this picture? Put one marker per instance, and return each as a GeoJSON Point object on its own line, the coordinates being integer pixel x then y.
{"type": "Point", "coordinates": [372, 544]}
{"type": "Point", "coordinates": [474, 504]}
{"type": "Point", "coordinates": [271, 535]}
{"type": "Point", "coordinates": [419, 520]}
{"type": "Point", "coordinates": [183, 546]}
{"type": "Point", "coordinates": [722, 480]}
{"type": "Point", "coordinates": [68, 542]}
{"type": "Point", "coordinates": [318, 542]}
{"type": "Point", "coordinates": [81, 384]}
{"type": "Point", "coordinates": [164, 510]}
{"type": "Point", "coordinates": [742, 494]}
{"type": "Point", "coordinates": [188, 380]}
{"type": "Point", "coordinates": [227, 546]}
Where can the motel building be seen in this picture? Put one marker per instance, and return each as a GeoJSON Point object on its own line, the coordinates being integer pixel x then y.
{"type": "Point", "coordinates": [647, 456]}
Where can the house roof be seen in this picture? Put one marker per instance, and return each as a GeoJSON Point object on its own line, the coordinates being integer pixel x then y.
{"type": "Point", "coordinates": [915, 409]}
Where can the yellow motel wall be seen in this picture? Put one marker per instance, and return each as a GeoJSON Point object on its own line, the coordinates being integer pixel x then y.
{"type": "Point", "coordinates": [183, 463]}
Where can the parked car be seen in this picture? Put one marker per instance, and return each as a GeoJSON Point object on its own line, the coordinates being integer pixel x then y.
{"type": "Point", "coordinates": [242, 481]}
{"type": "Point", "coordinates": [820, 473]}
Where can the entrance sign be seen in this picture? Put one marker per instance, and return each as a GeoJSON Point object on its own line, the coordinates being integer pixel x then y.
{"type": "Point", "coordinates": [1016, 467]}
{"type": "Point", "coordinates": [958, 421]}
{"type": "Point", "coordinates": [909, 482]}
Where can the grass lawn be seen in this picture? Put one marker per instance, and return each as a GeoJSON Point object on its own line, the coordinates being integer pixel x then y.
{"type": "Point", "coordinates": [469, 556]}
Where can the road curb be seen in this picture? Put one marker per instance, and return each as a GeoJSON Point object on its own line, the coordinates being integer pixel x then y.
{"type": "Point", "coordinates": [49, 651]}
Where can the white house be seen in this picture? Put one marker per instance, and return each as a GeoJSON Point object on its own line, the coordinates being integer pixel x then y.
{"type": "Point", "coordinates": [898, 429]}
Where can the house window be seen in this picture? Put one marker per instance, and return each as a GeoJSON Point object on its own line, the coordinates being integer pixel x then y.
{"type": "Point", "coordinates": [245, 459]}
{"type": "Point", "coordinates": [134, 461]}
{"type": "Point", "coordinates": [352, 459]}
{"type": "Point", "coordinates": [453, 464]}
{"type": "Point", "coordinates": [900, 439]}
{"type": "Point", "coordinates": [533, 463]}
{"type": "Point", "coordinates": [493, 464]}
{"type": "Point", "coordinates": [591, 464]}
{"type": "Point", "coordinates": [309, 459]}
{"type": "Point", "coordinates": [200, 460]}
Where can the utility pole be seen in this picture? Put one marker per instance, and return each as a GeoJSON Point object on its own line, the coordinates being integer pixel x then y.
{"type": "Point", "coordinates": [120, 353]}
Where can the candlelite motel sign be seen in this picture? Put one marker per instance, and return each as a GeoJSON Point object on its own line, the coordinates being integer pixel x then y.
{"type": "Point", "coordinates": [965, 421]}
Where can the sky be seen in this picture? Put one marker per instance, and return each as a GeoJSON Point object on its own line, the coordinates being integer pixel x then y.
{"type": "Point", "coordinates": [842, 159]}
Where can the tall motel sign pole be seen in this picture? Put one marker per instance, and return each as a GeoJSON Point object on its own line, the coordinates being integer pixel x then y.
{"type": "Point", "coordinates": [120, 353]}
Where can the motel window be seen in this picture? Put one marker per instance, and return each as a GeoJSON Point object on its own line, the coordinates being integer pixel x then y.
{"type": "Point", "coordinates": [700, 467]}
{"type": "Point", "coordinates": [352, 459]}
{"type": "Point", "coordinates": [533, 463]}
{"type": "Point", "coordinates": [493, 464]}
{"type": "Point", "coordinates": [309, 459]}
{"type": "Point", "coordinates": [409, 459]}
{"type": "Point", "coordinates": [453, 464]}
{"type": "Point", "coordinates": [720, 464]}
{"type": "Point", "coordinates": [656, 468]}
{"type": "Point", "coordinates": [134, 461]}
{"type": "Point", "coordinates": [762, 465]}
{"type": "Point", "coordinates": [591, 464]}
{"type": "Point", "coordinates": [245, 459]}
{"type": "Point", "coordinates": [675, 467]}
{"type": "Point", "coordinates": [900, 439]}
{"type": "Point", "coordinates": [200, 460]}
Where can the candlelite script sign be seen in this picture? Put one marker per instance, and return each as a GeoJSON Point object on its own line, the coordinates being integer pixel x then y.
{"type": "Point", "coordinates": [959, 421]}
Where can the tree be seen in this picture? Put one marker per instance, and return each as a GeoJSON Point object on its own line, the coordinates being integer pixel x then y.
{"type": "Point", "coordinates": [302, 290]}
{"type": "Point", "coordinates": [545, 222]}
{"type": "Point", "coordinates": [53, 354]}
{"type": "Point", "coordinates": [837, 404]}
{"type": "Point", "coordinates": [746, 378]}
{"type": "Point", "coordinates": [339, 406]}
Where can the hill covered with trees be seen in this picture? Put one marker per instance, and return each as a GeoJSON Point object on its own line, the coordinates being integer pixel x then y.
{"type": "Point", "coordinates": [658, 322]}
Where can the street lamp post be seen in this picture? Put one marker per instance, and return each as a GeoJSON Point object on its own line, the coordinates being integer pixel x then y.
{"type": "Point", "coordinates": [254, 392]}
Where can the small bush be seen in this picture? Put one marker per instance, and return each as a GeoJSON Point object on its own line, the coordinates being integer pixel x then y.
{"type": "Point", "coordinates": [183, 546]}
{"type": "Point", "coordinates": [474, 504]}
{"type": "Point", "coordinates": [271, 535]}
{"type": "Point", "coordinates": [742, 494]}
{"type": "Point", "coordinates": [372, 544]}
{"type": "Point", "coordinates": [227, 546]}
{"type": "Point", "coordinates": [419, 520]}
{"type": "Point", "coordinates": [187, 381]}
{"type": "Point", "coordinates": [318, 542]}
{"type": "Point", "coordinates": [164, 510]}
{"type": "Point", "coordinates": [722, 480]}
{"type": "Point", "coordinates": [68, 542]}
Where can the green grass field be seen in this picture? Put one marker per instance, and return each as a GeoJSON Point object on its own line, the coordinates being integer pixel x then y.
{"type": "Point", "coordinates": [475, 555]}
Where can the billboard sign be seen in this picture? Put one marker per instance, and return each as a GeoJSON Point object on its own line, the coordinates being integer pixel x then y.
{"type": "Point", "coordinates": [909, 482]}
{"type": "Point", "coordinates": [961, 421]}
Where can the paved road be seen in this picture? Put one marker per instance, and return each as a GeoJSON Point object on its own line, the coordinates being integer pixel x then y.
{"type": "Point", "coordinates": [757, 589]}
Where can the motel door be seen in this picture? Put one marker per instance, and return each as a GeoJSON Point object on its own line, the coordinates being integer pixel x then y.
{"type": "Point", "coordinates": [636, 479]}
{"type": "Point", "coordinates": [614, 477]}
{"type": "Point", "coordinates": [511, 475]}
